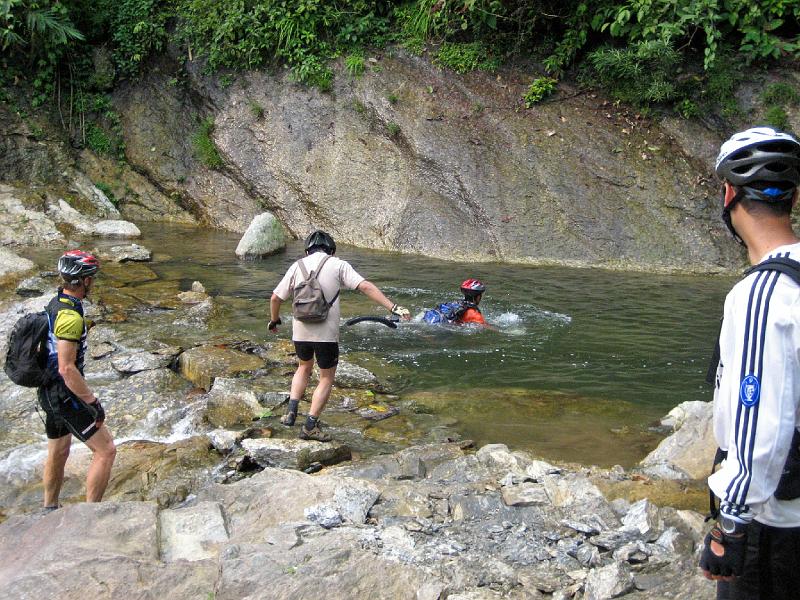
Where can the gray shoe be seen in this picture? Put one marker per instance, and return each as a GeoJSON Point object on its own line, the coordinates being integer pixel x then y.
{"type": "Point", "coordinates": [315, 434]}
{"type": "Point", "coordinates": [289, 418]}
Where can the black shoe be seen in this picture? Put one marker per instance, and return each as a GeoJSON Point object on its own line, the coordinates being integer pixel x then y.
{"type": "Point", "coordinates": [289, 418]}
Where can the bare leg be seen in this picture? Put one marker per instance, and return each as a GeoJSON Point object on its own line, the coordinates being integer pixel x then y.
{"type": "Point", "coordinates": [103, 452]}
{"type": "Point", "coordinates": [322, 392]}
{"type": "Point", "coordinates": [300, 379]}
{"type": "Point", "coordinates": [57, 454]}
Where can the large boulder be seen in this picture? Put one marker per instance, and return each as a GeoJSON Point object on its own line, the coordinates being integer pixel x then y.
{"type": "Point", "coordinates": [263, 237]}
{"type": "Point", "coordinates": [689, 451]}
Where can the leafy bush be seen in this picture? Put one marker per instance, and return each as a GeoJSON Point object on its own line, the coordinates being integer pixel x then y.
{"type": "Point", "coordinates": [641, 74]}
{"type": "Point", "coordinates": [392, 129]}
{"type": "Point", "coordinates": [540, 89]}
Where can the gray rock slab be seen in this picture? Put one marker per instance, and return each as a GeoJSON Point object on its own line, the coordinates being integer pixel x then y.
{"type": "Point", "coordinates": [331, 565]}
{"type": "Point", "coordinates": [276, 496]}
{"type": "Point", "coordinates": [74, 533]}
{"type": "Point", "coordinates": [295, 453]}
{"type": "Point", "coordinates": [12, 265]}
{"type": "Point", "coordinates": [192, 533]}
{"type": "Point", "coordinates": [643, 515]}
{"type": "Point", "coordinates": [607, 582]}
{"type": "Point", "coordinates": [21, 226]}
{"type": "Point", "coordinates": [525, 494]}
{"type": "Point", "coordinates": [135, 362]}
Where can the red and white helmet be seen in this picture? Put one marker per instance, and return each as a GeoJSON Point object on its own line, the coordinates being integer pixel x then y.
{"type": "Point", "coordinates": [473, 286]}
{"type": "Point", "coordinates": [76, 263]}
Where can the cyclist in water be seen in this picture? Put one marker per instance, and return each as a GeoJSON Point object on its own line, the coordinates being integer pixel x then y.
{"type": "Point", "coordinates": [460, 312]}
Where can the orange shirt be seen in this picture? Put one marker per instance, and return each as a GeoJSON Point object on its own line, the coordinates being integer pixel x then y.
{"type": "Point", "coordinates": [472, 315]}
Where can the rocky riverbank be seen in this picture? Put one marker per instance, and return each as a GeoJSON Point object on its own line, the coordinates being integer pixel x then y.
{"type": "Point", "coordinates": [430, 522]}
{"type": "Point", "coordinates": [211, 498]}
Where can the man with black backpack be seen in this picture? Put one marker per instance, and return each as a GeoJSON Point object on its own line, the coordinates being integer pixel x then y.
{"type": "Point", "coordinates": [70, 407]}
{"type": "Point", "coordinates": [753, 550]}
{"type": "Point", "coordinates": [314, 282]}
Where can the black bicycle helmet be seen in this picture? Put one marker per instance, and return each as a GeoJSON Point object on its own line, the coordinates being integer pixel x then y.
{"type": "Point", "coordinates": [763, 156]}
{"type": "Point", "coordinates": [320, 239]}
{"type": "Point", "coordinates": [75, 264]}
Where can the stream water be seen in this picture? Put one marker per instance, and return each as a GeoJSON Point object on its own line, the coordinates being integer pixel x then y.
{"type": "Point", "coordinates": [578, 366]}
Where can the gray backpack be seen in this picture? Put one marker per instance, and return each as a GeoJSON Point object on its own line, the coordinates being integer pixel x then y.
{"type": "Point", "coordinates": [308, 303]}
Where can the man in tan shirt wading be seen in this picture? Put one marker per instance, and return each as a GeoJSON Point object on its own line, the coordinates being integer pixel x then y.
{"type": "Point", "coordinates": [319, 338]}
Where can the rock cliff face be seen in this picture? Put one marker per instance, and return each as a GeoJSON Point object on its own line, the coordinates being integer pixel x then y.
{"type": "Point", "coordinates": [412, 158]}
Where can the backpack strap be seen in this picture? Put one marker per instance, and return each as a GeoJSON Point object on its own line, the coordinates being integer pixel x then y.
{"type": "Point", "coordinates": [782, 264]}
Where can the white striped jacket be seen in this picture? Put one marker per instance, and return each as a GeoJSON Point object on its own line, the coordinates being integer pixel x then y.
{"type": "Point", "coordinates": [757, 395]}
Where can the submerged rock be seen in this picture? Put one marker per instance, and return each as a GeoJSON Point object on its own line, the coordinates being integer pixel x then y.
{"type": "Point", "coordinates": [203, 364]}
{"type": "Point", "coordinates": [130, 253]}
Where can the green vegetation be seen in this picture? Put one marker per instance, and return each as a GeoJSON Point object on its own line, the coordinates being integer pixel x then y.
{"type": "Point", "coordinates": [354, 63]}
{"type": "Point", "coordinates": [642, 74]}
{"type": "Point", "coordinates": [777, 117]}
{"type": "Point", "coordinates": [106, 189]}
{"type": "Point", "coordinates": [204, 147]}
{"type": "Point", "coordinates": [256, 109]}
{"type": "Point", "coordinates": [680, 53]}
{"type": "Point", "coordinates": [392, 129]}
{"type": "Point", "coordinates": [465, 57]}
{"type": "Point", "coordinates": [780, 94]}
{"type": "Point", "coordinates": [540, 89]}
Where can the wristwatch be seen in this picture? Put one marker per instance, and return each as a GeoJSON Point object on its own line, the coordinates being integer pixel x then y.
{"type": "Point", "coordinates": [731, 527]}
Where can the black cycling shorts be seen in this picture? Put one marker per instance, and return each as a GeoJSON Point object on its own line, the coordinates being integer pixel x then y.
{"type": "Point", "coordinates": [66, 414]}
{"type": "Point", "coordinates": [327, 353]}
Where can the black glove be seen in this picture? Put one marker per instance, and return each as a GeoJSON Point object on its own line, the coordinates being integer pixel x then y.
{"type": "Point", "coordinates": [97, 411]}
{"type": "Point", "coordinates": [732, 536]}
{"type": "Point", "coordinates": [273, 325]}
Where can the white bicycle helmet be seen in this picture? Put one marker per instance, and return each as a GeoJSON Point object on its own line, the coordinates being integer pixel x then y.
{"type": "Point", "coordinates": [764, 155]}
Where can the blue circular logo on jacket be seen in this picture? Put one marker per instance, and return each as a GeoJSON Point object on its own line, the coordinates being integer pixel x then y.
{"type": "Point", "coordinates": [750, 390]}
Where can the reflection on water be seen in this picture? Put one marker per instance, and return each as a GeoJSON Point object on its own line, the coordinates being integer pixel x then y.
{"type": "Point", "coordinates": [577, 366]}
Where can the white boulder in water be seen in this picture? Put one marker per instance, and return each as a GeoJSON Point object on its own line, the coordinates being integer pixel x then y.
{"type": "Point", "coordinates": [263, 237]}
{"type": "Point", "coordinates": [116, 228]}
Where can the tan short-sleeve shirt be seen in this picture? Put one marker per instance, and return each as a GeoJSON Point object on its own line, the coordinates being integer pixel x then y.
{"type": "Point", "coordinates": [335, 275]}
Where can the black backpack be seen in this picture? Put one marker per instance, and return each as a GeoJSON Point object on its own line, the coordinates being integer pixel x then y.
{"type": "Point", "coordinates": [26, 361]}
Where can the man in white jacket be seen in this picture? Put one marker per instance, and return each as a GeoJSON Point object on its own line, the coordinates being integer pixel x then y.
{"type": "Point", "coordinates": [753, 550]}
